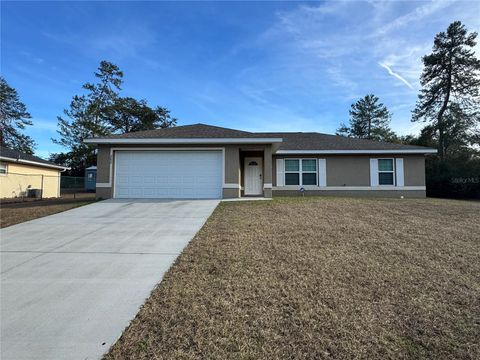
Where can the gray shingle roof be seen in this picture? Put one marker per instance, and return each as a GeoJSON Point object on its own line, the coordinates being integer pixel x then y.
{"type": "Point", "coordinates": [186, 131]}
{"type": "Point", "coordinates": [14, 154]}
{"type": "Point", "coordinates": [319, 141]}
{"type": "Point", "coordinates": [291, 140]}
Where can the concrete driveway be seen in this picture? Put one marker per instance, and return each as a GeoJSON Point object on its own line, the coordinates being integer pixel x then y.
{"type": "Point", "coordinates": [71, 282]}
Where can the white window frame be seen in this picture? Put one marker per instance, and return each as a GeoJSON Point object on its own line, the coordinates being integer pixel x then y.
{"type": "Point", "coordinates": [6, 169]}
{"type": "Point", "coordinates": [309, 172]}
{"type": "Point", "coordinates": [300, 171]}
{"type": "Point", "coordinates": [390, 172]}
{"type": "Point", "coordinates": [285, 171]}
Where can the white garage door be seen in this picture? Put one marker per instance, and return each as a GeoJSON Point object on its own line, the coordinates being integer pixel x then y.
{"type": "Point", "coordinates": [168, 174]}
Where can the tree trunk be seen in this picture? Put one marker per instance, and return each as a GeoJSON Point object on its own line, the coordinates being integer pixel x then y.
{"type": "Point", "coordinates": [441, 137]}
{"type": "Point", "coordinates": [441, 149]}
{"type": "Point", "coordinates": [369, 134]}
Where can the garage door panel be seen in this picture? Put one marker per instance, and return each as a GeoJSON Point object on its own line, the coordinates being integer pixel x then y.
{"type": "Point", "coordinates": [172, 180]}
{"type": "Point", "coordinates": [136, 192]}
{"type": "Point", "coordinates": [161, 193]}
{"type": "Point", "coordinates": [168, 174]}
{"type": "Point", "coordinates": [122, 192]}
{"type": "Point", "coordinates": [135, 180]}
{"type": "Point", "coordinates": [148, 180]}
{"type": "Point", "coordinates": [122, 180]}
{"type": "Point", "coordinates": [150, 192]}
{"type": "Point", "coordinates": [174, 192]}
{"type": "Point", "coordinates": [188, 180]}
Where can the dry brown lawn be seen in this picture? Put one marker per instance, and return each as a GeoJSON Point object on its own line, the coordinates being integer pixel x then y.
{"type": "Point", "coordinates": [319, 278]}
{"type": "Point", "coordinates": [15, 213]}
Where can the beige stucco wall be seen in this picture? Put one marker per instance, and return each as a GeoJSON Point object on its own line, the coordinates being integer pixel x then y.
{"type": "Point", "coordinates": [267, 165]}
{"type": "Point", "coordinates": [348, 170]}
{"type": "Point", "coordinates": [232, 166]}
{"type": "Point", "coordinates": [20, 178]}
{"type": "Point", "coordinates": [104, 193]}
{"type": "Point", "coordinates": [414, 170]}
{"type": "Point", "coordinates": [230, 193]}
{"type": "Point", "coordinates": [103, 164]}
{"type": "Point", "coordinates": [342, 170]}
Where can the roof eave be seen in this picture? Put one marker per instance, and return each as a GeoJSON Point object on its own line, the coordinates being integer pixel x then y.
{"type": "Point", "coordinates": [357, 152]}
{"type": "Point", "coordinates": [152, 141]}
{"type": "Point", "coordinates": [36, 163]}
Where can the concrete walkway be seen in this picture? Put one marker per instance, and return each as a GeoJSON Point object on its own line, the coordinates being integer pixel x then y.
{"type": "Point", "coordinates": [71, 282]}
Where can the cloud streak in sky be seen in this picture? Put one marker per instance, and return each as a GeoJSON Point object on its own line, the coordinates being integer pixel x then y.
{"type": "Point", "coordinates": [418, 14]}
{"type": "Point", "coordinates": [294, 66]}
{"type": "Point", "coordinates": [343, 59]}
{"type": "Point", "coordinates": [391, 72]}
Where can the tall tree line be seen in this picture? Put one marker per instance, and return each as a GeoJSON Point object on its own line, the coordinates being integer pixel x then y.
{"type": "Point", "coordinates": [14, 118]}
{"type": "Point", "coordinates": [449, 99]}
{"type": "Point", "coordinates": [448, 104]}
{"type": "Point", "coordinates": [101, 111]}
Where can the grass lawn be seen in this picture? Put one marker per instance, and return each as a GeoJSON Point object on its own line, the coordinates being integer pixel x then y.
{"type": "Point", "coordinates": [15, 213]}
{"type": "Point", "coordinates": [319, 278]}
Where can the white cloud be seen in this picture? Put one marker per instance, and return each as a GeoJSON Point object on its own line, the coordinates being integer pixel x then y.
{"type": "Point", "coordinates": [391, 72]}
{"type": "Point", "coordinates": [344, 58]}
{"type": "Point", "coordinates": [125, 41]}
{"type": "Point", "coordinates": [340, 79]}
{"type": "Point", "coordinates": [417, 14]}
{"type": "Point", "coordinates": [45, 125]}
{"type": "Point", "coordinates": [404, 56]}
{"type": "Point", "coordinates": [35, 59]}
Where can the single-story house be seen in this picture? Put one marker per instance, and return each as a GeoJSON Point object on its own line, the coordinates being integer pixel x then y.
{"type": "Point", "coordinates": [203, 161]}
{"type": "Point", "coordinates": [21, 173]}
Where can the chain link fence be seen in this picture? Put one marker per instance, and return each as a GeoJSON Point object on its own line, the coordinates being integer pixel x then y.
{"type": "Point", "coordinates": [72, 183]}
{"type": "Point", "coordinates": [74, 187]}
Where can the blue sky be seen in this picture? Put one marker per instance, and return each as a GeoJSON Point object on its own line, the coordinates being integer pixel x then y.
{"type": "Point", "coordinates": [259, 66]}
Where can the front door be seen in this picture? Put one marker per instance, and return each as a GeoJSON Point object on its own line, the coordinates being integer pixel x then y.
{"type": "Point", "coordinates": [253, 176]}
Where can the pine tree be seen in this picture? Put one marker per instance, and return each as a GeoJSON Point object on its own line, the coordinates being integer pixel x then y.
{"type": "Point", "coordinates": [449, 99]}
{"type": "Point", "coordinates": [129, 114]}
{"type": "Point", "coordinates": [103, 94]}
{"type": "Point", "coordinates": [88, 116]}
{"type": "Point", "coordinates": [369, 119]}
{"type": "Point", "coordinates": [102, 112]}
{"type": "Point", "coordinates": [14, 117]}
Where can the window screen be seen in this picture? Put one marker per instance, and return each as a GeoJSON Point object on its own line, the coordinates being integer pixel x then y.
{"type": "Point", "coordinates": [385, 172]}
